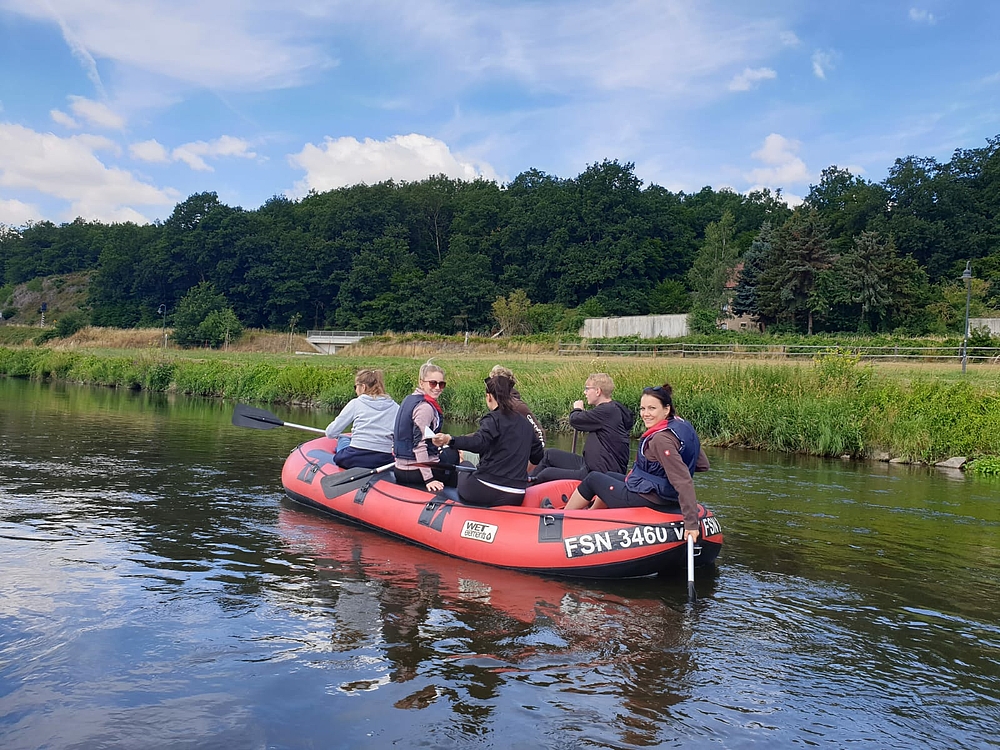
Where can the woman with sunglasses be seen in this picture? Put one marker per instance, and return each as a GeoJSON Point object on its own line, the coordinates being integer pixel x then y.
{"type": "Point", "coordinates": [418, 412]}
{"type": "Point", "coordinates": [372, 414]}
{"type": "Point", "coordinates": [505, 442]}
{"type": "Point", "coordinates": [662, 477]}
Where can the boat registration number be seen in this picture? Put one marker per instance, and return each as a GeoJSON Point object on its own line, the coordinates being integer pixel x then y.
{"type": "Point", "coordinates": [625, 538]}
{"type": "Point", "coordinates": [482, 532]}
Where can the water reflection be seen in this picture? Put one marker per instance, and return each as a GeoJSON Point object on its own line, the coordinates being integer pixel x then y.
{"type": "Point", "coordinates": [157, 592]}
{"type": "Point", "coordinates": [463, 632]}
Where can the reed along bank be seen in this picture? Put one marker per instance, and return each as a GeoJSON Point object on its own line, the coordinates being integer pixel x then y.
{"type": "Point", "coordinates": [834, 405]}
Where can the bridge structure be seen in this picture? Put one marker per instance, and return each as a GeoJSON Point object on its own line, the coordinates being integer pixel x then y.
{"type": "Point", "coordinates": [330, 342]}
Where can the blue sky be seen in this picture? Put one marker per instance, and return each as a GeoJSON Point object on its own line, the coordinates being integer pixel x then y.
{"type": "Point", "coordinates": [118, 109]}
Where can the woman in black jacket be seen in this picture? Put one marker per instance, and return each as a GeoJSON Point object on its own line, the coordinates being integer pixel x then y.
{"type": "Point", "coordinates": [505, 442]}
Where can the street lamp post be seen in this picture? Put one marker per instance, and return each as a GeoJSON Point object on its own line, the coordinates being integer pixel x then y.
{"type": "Point", "coordinates": [967, 277]}
{"type": "Point", "coordinates": [163, 311]}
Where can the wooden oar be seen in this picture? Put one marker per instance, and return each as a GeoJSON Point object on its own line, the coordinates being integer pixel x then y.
{"type": "Point", "coordinates": [692, 594]}
{"type": "Point", "coordinates": [260, 419]}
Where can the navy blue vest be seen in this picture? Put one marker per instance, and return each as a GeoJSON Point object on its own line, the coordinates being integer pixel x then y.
{"type": "Point", "coordinates": [648, 476]}
{"type": "Point", "coordinates": [406, 435]}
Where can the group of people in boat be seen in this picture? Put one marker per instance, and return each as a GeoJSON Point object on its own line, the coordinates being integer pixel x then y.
{"type": "Point", "coordinates": [511, 445]}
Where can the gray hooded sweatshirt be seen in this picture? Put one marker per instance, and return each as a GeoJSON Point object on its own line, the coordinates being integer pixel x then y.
{"type": "Point", "coordinates": [374, 418]}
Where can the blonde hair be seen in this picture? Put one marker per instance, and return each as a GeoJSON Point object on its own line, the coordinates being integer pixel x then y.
{"type": "Point", "coordinates": [504, 371]}
{"type": "Point", "coordinates": [372, 380]}
{"type": "Point", "coordinates": [602, 381]}
{"type": "Point", "coordinates": [428, 367]}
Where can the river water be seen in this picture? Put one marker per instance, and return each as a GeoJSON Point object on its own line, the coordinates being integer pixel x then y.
{"type": "Point", "coordinates": [157, 592]}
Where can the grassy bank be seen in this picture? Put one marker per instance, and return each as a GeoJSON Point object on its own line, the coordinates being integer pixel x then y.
{"type": "Point", "coordinates": [830, 407]}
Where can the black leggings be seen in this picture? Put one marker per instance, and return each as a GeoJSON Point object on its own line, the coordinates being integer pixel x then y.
{"type": "Point", "coordinates": [557, 464]}
{"type": "Point", "coordinates": [473, 492]}
{"type": "Point", "coordinates": [448, 477]}
{"type": "Point", "coordinates": [611, 489]}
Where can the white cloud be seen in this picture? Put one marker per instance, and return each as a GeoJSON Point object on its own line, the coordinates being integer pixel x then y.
{"type": "Point", "coordinates": [68, 169]}
{"type": "Point", "coordinates": [919, 15]}
{"type": "Point", "coordinates": [14, 213]}
{"type": "Point", "coordinates": [346, 161]}
{"type": "Point", "coordinates": [151, 151]}
{"type": "Point", "coordinates": [61, 118]}
{"type": "Point", "coordinates": [223, 45]}
{"type": "Point", "coordinates": [784, 167]}
{"type": "Point", "coordinates": [96, 113]}
{"type": "Point", "coordinates": [750, 77]}
{"type": "Point", "coordinates": [822, 61]}
{"type": "Point", "coordinates": [193, 154]}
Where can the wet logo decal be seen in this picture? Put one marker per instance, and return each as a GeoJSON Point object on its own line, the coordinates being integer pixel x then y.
{"type": "Point", "coordinates": [482, 532]}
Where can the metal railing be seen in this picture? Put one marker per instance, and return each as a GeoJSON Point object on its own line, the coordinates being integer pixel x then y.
{"type": "Point", "coordinates": [776, 351]}
{"type": "Point", "coordinates": [339, 334]}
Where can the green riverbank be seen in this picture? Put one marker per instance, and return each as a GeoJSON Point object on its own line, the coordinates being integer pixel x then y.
{"type": "Point", "coordinates": [833, 406]}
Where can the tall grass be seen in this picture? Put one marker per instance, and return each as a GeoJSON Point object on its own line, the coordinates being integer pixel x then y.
{"type": "Point", "coordinates": [832, 406]}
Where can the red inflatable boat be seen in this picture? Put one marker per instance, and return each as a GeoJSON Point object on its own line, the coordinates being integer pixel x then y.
{"type": "Point", "coordinates": [536, 537]}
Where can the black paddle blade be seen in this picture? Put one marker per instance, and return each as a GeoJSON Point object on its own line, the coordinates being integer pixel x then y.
{"type": "Point", "coordinates": [334, 484]}
{"type": "Point", "coordinates": [257, 419]}
{"type": "Point", "coordinates": [692, 593]}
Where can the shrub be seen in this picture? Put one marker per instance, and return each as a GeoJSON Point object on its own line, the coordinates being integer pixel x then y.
{"type": "Point", "coordinates": [203, 316]}
{"type": "Point", "coordinates": [69, 324]}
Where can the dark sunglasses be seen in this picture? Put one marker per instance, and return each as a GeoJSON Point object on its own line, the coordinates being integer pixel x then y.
{"type": "Point", "coordinates": [436, 383]}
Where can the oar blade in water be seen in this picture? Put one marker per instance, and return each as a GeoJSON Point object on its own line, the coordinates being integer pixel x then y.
{"type": "Point", "coordinates": [257, 419]}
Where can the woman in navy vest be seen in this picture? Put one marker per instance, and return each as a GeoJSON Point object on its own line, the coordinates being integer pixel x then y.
{"type": "Point", "coordinates": [662, 477]}
{"type": "Point", "coordinates": [419, 411]}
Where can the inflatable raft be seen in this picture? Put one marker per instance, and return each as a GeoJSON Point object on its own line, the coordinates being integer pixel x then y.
{"type": "Point", "coordinates": [536, 537]}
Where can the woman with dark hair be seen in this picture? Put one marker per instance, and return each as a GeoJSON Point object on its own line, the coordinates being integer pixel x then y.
{"type": "Point", "coordinates": [505, 442]}
{"type": "Point", "coordinates": [662, 477]}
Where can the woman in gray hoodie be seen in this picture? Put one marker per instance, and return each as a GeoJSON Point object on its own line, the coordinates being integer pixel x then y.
{"type": "Point", "coordinates": [373, 414]}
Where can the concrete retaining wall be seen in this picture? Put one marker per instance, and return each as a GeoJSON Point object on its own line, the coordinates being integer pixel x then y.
{"type": "Point", "coordinates": [644, 326]}
{"type": "Point", "coordinates": [992, 323]}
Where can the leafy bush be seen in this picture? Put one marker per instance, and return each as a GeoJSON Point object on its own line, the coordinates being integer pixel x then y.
{"type": "Point", "coordinates": [702, 320]}
{"type": "Point", "coordinates": [203, 317]}
{"type": "Point", "coordinates": [47, 335]}
{"type": "Point", "coordinates": [985, 466]}
{"type": "Point", "coordinates": [69, 324]}
{"type": "Point", "coordinates": [543, 318]}
{"type": "Point", "coordinates": [221, 326]}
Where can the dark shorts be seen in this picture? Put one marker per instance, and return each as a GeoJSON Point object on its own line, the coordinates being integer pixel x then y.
{"type": "Point", "coordinates": [353, 458]}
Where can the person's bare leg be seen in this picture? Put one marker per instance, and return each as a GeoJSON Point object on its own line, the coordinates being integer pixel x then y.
{"type": "Point", "coordinates": [576, 502]}
{"type": "Point", "coordinates": [598, 504]}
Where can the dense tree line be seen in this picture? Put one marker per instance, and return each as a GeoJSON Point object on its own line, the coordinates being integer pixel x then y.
{"type": "Point", "coordinates": [436, 255]}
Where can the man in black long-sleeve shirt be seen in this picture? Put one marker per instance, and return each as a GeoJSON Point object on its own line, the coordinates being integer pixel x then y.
{"type": "Point", "coordinates": [608, 425]}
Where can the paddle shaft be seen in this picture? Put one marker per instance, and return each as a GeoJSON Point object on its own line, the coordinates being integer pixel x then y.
{"type": "Point", "coordinates": [303, 427]}
{"type": "Point", "coordinates": [692, 593]}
